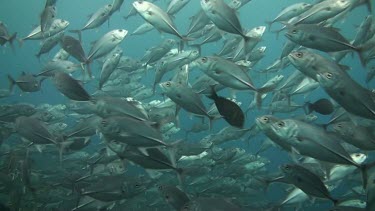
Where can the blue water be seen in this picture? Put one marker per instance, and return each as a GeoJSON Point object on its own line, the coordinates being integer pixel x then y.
{"type": "Point", "coordinates": [22, 16]}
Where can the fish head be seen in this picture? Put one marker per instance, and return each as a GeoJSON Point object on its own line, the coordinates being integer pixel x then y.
{"type": "Point", "coordinates": [294, 34]}
{"type": "Point", "coordinates": [119, 34]}
{"type": "Point", "coordinates": [167, 86]}
{"type": "Point", "coordinates": [60, 23]}
{"type": "Point", "coordinates": [256, 32]}
{"type": "Point", "coordinates": [142, 7]}
{"type": "Point", "coordinates": [262, 49]}
{"type": "Point", "coordinates": [235, 4]}
{"type": "Point", "coordinates": [169, 43]}
{"type": "Point", "coordinates": [300, 59]}
{"type": "Point", "coordinates": [305, 6]}
{"type": "Point", "coordinates": [287, 169]}
{"type": "Point", "coordinates": [359, 157]}
{"type": "Point", "coordinates": [204, 63]}
{"type": "Point", "coordinates": [265, 121]}
{"type": "Point", "coordinates": [342, 4]}
{"type": "Point", "coordinates": [285, 128]}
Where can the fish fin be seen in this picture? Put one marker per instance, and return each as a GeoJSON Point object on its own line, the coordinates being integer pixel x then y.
{"type": "Point", "coordinates": [11, 40]}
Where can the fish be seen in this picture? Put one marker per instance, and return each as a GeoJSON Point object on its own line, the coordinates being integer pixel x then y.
{"type": "Point", "coordinates": [322, 106]}
{"type": "Point", "coordinates": [26, 82]}
{"type": "Point", "coordinates": [157, 17]}
{"type": "Point", "coordinates": [325, 39]}
{"type": "Point", "coordinates": [49, 43]}
{"type": "Point", "coordinates": [185, 97]}
{"type": "Point", "coordinates": [290, 12]}
{"type": "Point", "coordinates": [142, 29]}
{"type": "Point", "coordinates": [225, 72]}
{"type": "Point", "coordinates": [198, 21]}
{"type": "Point", "coordinates": [345, 91]}
{"type": "Point", "coordinates": [106, 44]}
{"type": "Point", "coordinates": [307, 181]}
{"type": "Point", "coordinates": [173, 196]}
{"type": "Point", "coordinates": [46, 18]}
{"type": "Point", "coordinates": [110, 106]}
{"type": "Point", "coordinates": [33, 130]}
{"type": "Point", "coordinates": [230, 111]}
{"type": "Point", "coordinates": [70, 87]}
{"type": "Point", "coordinates": [74, 48]}
{"type": "Point", "coordinates": [57, 26]}
{"type": "Point", "coordinates": [5, 36]}
{"type": "Point", "coordinates": [96, 20]}
{"type": "Point", "coordinates": [357, 135]}
{"type": "Point", "coordinates": [116, 6]}
{"type": "Point", "coordinates": [226, 19]}
{"type": "Point", "coordinates": [175, 6]}
{"type": "Point", "coordinates": [109, 66]}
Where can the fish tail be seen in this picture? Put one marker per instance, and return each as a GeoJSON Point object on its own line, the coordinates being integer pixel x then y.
{"type": "Point", "coordinates": [11, 40]}
{"type": "Point", "coordinates": [79, 32]}
{"type": "Point", "coordinates": [12, 82]}
{"type": "Point", "coordinates": [183, 40]}
{"type": "Point", "coordinates": [369, 5]}
{"type": "Point", "coordinates": [361, 50]}
{"type": "Point", "coordinates": [277, 32]}
{"type": "Point", "coordinates": [20, 42]}
{"type": "Point", "coordinates": [213, 94]}
{"type": "Point", "coordinates": [258, 95]}
{"type": "Point", "coordinates": [269, 24]}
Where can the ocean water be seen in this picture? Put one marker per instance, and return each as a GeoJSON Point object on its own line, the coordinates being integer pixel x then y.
{"type": "Point", "coordinates": [22, 16]}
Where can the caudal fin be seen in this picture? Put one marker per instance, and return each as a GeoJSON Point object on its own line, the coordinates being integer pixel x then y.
{"type": "Point", "coordinates": [11, 40]}
{"type": "Point", "coordinates": [79, 32]}
{"type": "Point", "coordinates": [12, 82]}
{"type": "Point", "coordinates": [369, 5]}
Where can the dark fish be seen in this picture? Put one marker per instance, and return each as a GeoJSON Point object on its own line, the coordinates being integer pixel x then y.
{"type": "Point", "coordinates": [33, 130]}
{"type": "Point", "coordinates": [70, 87]}
{"type": "Point", "coordinates": [74, 48]}
{"type": "Point", "coordinates": [322, 106]}
{"type": "Point", "coordinates": [5, 36]}
{"type": "Point", "coordinates": [26, 82]}
{"type": "Point", "coordinates": [231, 112]}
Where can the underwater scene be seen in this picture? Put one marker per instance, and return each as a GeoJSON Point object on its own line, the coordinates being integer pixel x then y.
{"type": "Point", "coordinates": [187, 105]}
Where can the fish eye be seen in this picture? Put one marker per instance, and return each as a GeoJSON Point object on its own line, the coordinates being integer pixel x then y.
{"type": "Point", "coordinates": [120, 30]}
{"type": "Point", "coordinates": [329, 75]}
{"type": "Point", "coordinates": [265, 119]}
{"type": "Point", "coordinates": [281, 124]}
{"type": "Point", "coordinates": [357, 155]}
{"type": "Point", "coordinates": [294, 31]}
{"type": "Point", "coordinates": [204, 59]}
{"type": "Point", "coordinates": [168, 84]}
{"type": "Point", "coordinates": [299, 54]}
{"type": "Point", "coordinates": [287, 167]}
